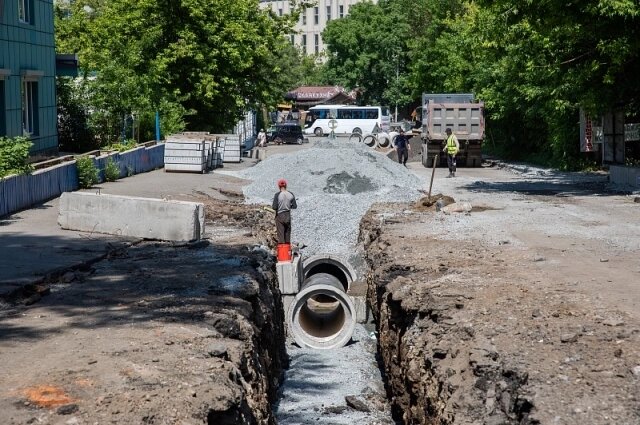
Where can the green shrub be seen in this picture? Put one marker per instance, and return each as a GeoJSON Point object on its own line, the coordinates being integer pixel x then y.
{"type": "Point", "coordinates": [87, 172]}
{"type": "Point", "coordinates": [14, 152]}
{"type": "Point", "coordinates": [111, 170]}
{"type": "Point", "coordinates": [121, 147]}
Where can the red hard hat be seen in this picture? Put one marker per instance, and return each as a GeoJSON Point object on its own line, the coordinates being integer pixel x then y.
{"type": "Point", "coordinates": [282, 183]}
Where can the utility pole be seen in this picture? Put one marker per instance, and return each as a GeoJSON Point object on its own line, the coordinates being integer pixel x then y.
{"type": "Point", "coordinates": [397, 88]}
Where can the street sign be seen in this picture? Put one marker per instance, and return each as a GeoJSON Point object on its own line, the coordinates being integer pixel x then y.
{"type": "Point", "coordinates": [333, 124]}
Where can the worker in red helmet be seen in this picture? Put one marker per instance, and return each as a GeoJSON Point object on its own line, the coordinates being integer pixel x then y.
{"type": "Point", "coordinates": [283, 202]}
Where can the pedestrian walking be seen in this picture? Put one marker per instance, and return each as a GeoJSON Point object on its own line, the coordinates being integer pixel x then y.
{"type": "Point", "coordinates": [283, 202]}
{"type": "Point", "coordinates": [402, 147]}
{"type": "Point", "coordinates": [451, 148]}
{"type": "Point", "coordinates": [262, 138]}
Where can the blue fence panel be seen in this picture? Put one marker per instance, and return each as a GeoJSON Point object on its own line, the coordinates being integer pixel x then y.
{"type": "Point", "coordinates": [20, 192]}
{"type": "Point", "coordinates": [141, 160]}
{"type": "Point", "coordinates": [155, 157]}
{"type": "Point", "coordinates": [24, 191]}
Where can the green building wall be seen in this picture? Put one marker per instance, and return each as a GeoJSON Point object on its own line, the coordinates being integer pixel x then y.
{"type": "Point", "coordinates": [27, 50]}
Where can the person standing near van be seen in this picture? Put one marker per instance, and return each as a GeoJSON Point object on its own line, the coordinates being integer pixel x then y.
{"type": "Point", "coordinates": [451, 148]}
{"type": "Point", "coordinates": [283, 202]}
{"type": "Point", "coordinates": [402, 147]}
{"type": "Point", "coordinates": [262, 138]}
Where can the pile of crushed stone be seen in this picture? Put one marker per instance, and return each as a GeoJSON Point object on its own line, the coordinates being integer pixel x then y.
{"type": "Point", "coordinates": [335, 183]}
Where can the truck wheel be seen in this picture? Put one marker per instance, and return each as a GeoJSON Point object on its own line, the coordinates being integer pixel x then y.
{"type": "Point", "coordinates": [318, 132]}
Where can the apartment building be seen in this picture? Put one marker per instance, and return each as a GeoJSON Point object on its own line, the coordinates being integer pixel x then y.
{"type": "Point", "coordinates": [27, 73]}
{"type": "Point", "coordinates": [313, 21]}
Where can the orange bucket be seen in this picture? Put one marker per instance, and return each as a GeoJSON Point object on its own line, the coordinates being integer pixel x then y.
{"type": "Point", "coordinates": [284, 252]}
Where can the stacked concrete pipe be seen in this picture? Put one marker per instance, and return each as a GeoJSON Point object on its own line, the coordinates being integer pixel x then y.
{"type": "Point", "coordinates": [322, 315]}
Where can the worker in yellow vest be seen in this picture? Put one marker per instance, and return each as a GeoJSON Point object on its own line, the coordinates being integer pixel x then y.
{"type": "Point", "coordinates": [452, 148]}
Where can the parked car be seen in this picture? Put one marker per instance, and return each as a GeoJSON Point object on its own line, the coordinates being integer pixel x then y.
{"type": "Point", "coordinates": [286, 133]}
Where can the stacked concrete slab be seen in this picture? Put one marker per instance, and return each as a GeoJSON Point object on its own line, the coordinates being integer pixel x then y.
{"type": "Point", "coordinates": [208, 148]}
{"type": "Point", "coordinates": [185, 153]}
{"type": "Point", "coordinates": [232, 148]}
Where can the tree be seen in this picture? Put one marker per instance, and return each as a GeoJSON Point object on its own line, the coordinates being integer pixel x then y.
{"type": "Point", "coordinates": [203, 61]}
{"type": "Point", "coordinates": [533, 63]}
{"type": "Point", "coordinates": [367, 50]}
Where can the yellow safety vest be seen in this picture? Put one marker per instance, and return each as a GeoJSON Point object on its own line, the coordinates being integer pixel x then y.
{"type": "Point", "coordinates": [452, 149]}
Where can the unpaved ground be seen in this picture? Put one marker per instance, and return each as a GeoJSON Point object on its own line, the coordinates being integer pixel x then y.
{"type": "Point", "coordinates": [526, 310]}
{"type": "Point", "coordinates": [153, 334]}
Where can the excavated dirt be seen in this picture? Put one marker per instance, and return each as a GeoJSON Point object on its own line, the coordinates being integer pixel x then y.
{"type": "Point", "coordinates": [498, 317]}
{"type": "Point", "coordinates": [155, 333]}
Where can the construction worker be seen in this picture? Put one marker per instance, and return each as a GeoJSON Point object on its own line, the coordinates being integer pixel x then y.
{"type": "Point", "coordinates": [283, 202]}
{"type": "Point", "coordinates": [262, 138]}
{"type": "Point", "coordinates": [451, 148]}
{"type": "Point", "coordinates": [402, 147]}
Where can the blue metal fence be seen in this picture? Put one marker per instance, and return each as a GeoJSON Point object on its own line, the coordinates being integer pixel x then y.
{"type": "Point", "coordinates": [24, 191]}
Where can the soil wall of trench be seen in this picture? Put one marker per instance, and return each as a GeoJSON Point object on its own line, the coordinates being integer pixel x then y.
{"type": "Point", "coordinates": [151, 334]}
{"type": "Point", "coordinates": [437, 369]}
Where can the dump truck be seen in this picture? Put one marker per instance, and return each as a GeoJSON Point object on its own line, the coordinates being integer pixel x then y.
{"type": "Point", "coordinates": [463, 115]}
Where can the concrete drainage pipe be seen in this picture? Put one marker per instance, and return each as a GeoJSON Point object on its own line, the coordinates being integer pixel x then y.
{"type": "Point", "coordinates": [383, 140]}
{"type": "Point", "coordinates": [322, 315]}
{"type": "Point", "coordinates": [355, 137]}
{"type": "Point", "coordinates": [370, 140]}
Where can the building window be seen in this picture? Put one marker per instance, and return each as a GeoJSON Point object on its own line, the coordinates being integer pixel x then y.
{"type": "Point", "coordinates": [29, 107]}
{"type": "Point", "coordinates": [316, 15]}
{"type": "Point", "coordinates": [341, 12]}
{"type": "Point", "coordinates": [293, 39]}
{"type": "Point", "coordinates": [304, 43]}
{"type": "Point", "coordinates": [328, 13]}
{"type": "Point", "coordinates": [316, 38]}
{"type": "Point", "coordinates": [280, 12]}
{"type": "Point", "coordinates": [24, 11]}
{"type": "Point", "coordinates": [304, 18]}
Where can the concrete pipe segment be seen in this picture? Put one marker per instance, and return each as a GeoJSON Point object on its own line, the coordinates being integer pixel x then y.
{"type": "Point", "coordinates": [383, 140]}
{"type": "Point", "coordinates": [355, 137]}
{"type": "Point", "coordinates": [370, 140]}
{"type": "Point", "coordinates": [322, 315]}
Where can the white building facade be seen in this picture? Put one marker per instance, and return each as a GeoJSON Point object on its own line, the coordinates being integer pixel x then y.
{"type": "Point", "coordinates": [313, 21]}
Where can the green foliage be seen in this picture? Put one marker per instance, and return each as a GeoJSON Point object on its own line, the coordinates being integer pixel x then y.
{"type": "Point", "coordinates": [122, 147]}
{"type": "Point", "coordinates": [368, 52]}
{"type": "Point", "coordinates": [14, 153]}
{"type": "Point", "coordinates": [111, 170]}
{"type": "Point", "coordinates": [74, 133]}
{"type": "Point", "coordinates": [200, 63]}
{"type": "Point", "coordinates": [534, 64]}
{"type": "Point", "coordinates": [87, 172]}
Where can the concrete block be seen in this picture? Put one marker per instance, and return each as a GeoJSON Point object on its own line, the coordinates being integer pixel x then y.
{"type": "Point", "coordinates": [363, 312]}
{"type": "Point", "coordinates": [287, 300]}
{"type": "Point", "coordinates": [131, 216]}
{"type": "Point", "coordinates": [289, 276]}
{"type": "Point", "coordinates": [625, 175]}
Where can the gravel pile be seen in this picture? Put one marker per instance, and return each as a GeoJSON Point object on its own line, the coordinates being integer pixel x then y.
{"type": "Point", "coordinates": [335, 183]}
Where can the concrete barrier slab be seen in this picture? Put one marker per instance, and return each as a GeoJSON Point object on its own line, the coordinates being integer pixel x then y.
{"type": "Point", "coordinates": [132, 216]}
{"type": "Point", "coordinates": [289, 276]}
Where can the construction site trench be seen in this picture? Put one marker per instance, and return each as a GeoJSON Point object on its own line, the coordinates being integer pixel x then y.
{"type": "Point", "coordinates": [520, 306]}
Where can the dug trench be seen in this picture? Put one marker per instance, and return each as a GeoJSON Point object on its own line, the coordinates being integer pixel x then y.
{"type": "Point", "coordinates": [164, 334]}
